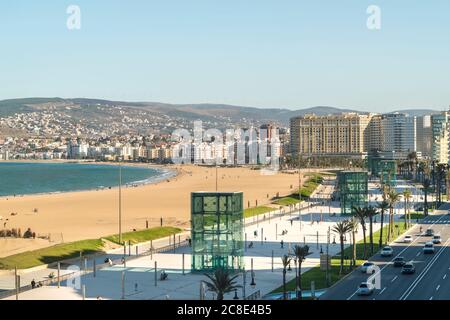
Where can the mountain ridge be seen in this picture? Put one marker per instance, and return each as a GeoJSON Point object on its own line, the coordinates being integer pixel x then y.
{"type": "Point", "coordinates": [208, 111]}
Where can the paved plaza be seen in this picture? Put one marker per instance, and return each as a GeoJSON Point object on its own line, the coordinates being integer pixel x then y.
{"type": "Point", "coordinates": [308, 226]}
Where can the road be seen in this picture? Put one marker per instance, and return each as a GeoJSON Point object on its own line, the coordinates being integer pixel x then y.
{"type": "Point", "coordinates": [431, 280]}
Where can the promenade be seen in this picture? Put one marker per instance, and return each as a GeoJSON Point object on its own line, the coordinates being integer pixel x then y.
{"type": "Point", "coordinates": [307, 226]}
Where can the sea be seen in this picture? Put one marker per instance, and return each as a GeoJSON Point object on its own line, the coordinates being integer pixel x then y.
{"type": "Point", "coordinates": [25, 178]}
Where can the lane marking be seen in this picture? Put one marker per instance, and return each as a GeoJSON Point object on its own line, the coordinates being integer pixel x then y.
{"type": "Point", "coordinates": [398, 255]}
{"type": "Point", "coordinates": [431, 298]}
{"type": "Point", "coordinates": [437, 288]}
{"type": "Point", "coordinates": [395, 278]}
{"type": "Point", "coordinates": [445, 276]}
{"type": "Point", "coordinates": [424, 272]}
{"type": "Point", "coordinates": [418, 254]}
{"type": "Point", "coordinates": [382, 290]}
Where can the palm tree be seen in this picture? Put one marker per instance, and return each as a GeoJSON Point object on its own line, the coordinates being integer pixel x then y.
{"type": "Point", "coordinates": [393, 197]}
{"type": "Point", "coordinates": [354, 224]}
{"type": "Point", "coordinates": [383, 207]}
{"type": "Point", "coordinates": [285, 260]}
{"type": "Point", "coordinates": [361, 214]}
{"type": "Point", "coordinates": [221, 282]}
{"type": "Point", "coordinates": [426, 188]}
{"type": "Point", "coordinates": [342, 228]}
{"type": "Point", "coordinates": [421, 170]}
{"type": "Point", "coordinates": [440, 175]}
{"type": "Point", "coordinates": [406, 197]}
{"type": "Point", "coordinates": [370, 213]}
{"type": "Point", "coordinates": [412, 160]}
{"type": "Point", "coordinates": [300, 253]}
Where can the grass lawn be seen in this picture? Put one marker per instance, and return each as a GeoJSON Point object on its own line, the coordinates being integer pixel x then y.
{"type": "Point", "coordinates": [145, 235]}
{"type": "Point", "coordinates": [285, 201]}
{"type": "Point", "coordinates": [415, 215]}
{"type": "Point", "coordinates": [250, 212]}
{"type": "Point", "coordinates": [318, 276]}
{"type": "Point", "coordinates": [51, 254]}
{"type": "Point", "coordinates": [71, 250]}
{"type": "Point", "coordinates": [314, 180]}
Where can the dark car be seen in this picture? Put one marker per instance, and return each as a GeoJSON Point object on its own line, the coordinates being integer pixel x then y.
{"type": "Point", "coordinates": [408, 268]}
{"type": "Point", "coordinates": [399, 262]}
{"type": "Point", "coordinates": [429, 232]}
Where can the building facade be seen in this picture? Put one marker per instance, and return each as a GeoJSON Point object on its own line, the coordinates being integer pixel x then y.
{"type": "Point", "coordinates": [440, 137]}
{"type": "Point", "coordinates": [332, 135]}
{"type": "Point", "coordinates": [424, 135]}
{"type": "Point", "coordinates": [398, 135]}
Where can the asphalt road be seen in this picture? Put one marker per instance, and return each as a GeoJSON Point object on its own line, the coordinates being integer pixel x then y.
{"type": "Point", "coordinates": [431, 281]}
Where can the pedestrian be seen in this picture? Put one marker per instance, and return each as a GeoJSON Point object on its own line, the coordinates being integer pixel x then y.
{"type": "Point", "coordinates": [33, 284]}
{"type": "Point", "coordinates": [282, 244]}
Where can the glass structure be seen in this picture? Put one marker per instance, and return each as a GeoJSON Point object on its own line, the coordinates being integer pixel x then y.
{"type": "Point", "coordinates": [217, 223]}
{"type": "Point", "coordinates": [353, 190]}
{"type": "Point", "coordinates": [387, 171]}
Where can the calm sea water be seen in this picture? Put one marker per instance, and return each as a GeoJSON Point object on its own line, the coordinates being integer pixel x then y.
{"type": "Point", "coordinates": [34, 178]}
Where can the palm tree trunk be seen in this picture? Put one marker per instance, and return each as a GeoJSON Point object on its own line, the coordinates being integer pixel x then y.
{"type": "Point", "coordinates": [354, 248]}
{"type": "Point", "coordinates": [342, 254]}
{"type": "Point", "coordinates": [300, 280]}
{"type": "Point", "coordinates": [284, 284]}
{"type": "Point", "coordinates": [371, 234]}
{"type": "Point", "coordinates": [406, 215]}
{"type": "Point", "coordinates": [380, 242]}
{"type": "Point", "coordinates": [365, 242]}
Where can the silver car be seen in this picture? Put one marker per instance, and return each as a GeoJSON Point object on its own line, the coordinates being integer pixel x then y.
{"type": "Point", "coordinates": [387, 252]}
{"type": "Point", "coordinates": [365, 289]}
{"type": "Point", "coordinates": [428, 248]}
{"type": "Point", "coordinates": [436, 239]}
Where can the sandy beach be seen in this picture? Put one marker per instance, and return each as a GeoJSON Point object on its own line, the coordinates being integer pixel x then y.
{"type": "Point", "coordinates": [91, 214]}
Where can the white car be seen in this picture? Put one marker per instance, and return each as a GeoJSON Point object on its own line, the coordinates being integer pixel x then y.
{"type": "Point", "coordinates": [428, 248]}
{"type": "Point", "coordinates": [366, 265]}
{"type": "Point", "coordinates": [365, 289]}
{"type": "Point", "coordinates": [387, 252]}
{"type": "Point", "coordinates": [436, 239]}
{"type": "Point", "coordinates": [408, 239]}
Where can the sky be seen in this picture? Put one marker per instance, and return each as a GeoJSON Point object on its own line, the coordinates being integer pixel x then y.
{"type": "Point", "coordinates": [262, 53]}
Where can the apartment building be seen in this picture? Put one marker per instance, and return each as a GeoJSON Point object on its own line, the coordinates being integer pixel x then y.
{"type": "Point", "coordinates": [398, 135]}
{"type": "Point", "coordinates": [332, 135]}
{"type": "Point", "coordinates": [440, 137]}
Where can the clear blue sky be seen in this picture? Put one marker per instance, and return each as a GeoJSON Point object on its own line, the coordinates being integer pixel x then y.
{"type": "Point", "coordinates": [288, 53]}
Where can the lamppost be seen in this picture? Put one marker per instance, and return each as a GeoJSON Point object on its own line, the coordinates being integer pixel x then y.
{"type": "Point", "coordinates": [328, 245]}
{"type": "Point", "coordinates": [120, 203]}
{"type": "Point", "coordinates": [244, 279]}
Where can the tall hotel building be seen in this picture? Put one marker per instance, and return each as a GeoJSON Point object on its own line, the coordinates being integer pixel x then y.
{"type": "Point", "coordinates": [332, 135]}
{"type": "Point", "coordinates": [424, 135]}
{"type": "Point", "coordinates": [440, 137]}
{"type": "Point", "coordinates": [398, 135]}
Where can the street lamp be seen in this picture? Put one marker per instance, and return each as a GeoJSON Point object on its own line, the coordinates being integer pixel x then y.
{"type": "Point", "coordinates": [253, 283]}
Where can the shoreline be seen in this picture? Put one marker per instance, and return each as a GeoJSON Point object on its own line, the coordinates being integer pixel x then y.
{"type": "Point", "coordinates": [73, 216]}
{"type": "Point", "coordinates": [166, 174]}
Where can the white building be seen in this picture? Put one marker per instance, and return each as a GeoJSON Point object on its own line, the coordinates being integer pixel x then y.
{"type": "Point", "coordinates": [399, 135]}
{"type": "Point", "coordinates": [77, 151]}
{"type": "Point", "coordinates": [440, 137]}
